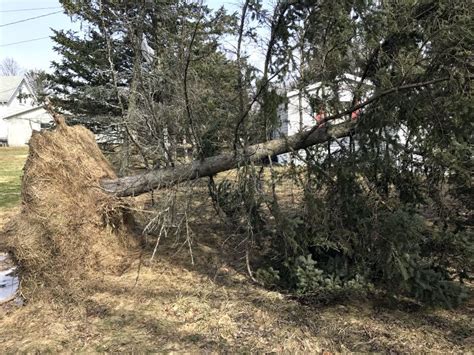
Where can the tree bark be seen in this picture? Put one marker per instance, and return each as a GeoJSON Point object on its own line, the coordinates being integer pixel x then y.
{"type": "Point", "coordinates": [161, 178]}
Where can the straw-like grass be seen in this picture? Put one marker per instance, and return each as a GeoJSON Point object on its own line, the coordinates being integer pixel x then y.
{"type": "Point", "coordinates": [64, 241]}
{"type": "Point", "coordinates": [212, 307]}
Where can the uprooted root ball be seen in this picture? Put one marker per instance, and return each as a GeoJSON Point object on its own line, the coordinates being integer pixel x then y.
{"type": "Point", "coordinates": [69, 232]}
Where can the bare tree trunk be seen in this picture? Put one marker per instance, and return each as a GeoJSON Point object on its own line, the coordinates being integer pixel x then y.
{"type": "Point", "coordinates": [139, 184]}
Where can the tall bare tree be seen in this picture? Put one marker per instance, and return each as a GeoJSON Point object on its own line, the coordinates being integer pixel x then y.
{"type": "Point", "coordinates": [10, 67]}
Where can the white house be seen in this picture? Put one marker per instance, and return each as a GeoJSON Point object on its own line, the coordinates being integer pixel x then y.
{"type": "Point", "coordinates": [20, 113]}
{"type": "Point", "coordinates": [304, 108]}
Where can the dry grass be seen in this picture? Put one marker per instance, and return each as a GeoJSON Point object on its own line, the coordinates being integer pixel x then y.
{"type": "Point", "coordinates": [211, 307]}
{"type": "Point", "coordinates": [168, 304]}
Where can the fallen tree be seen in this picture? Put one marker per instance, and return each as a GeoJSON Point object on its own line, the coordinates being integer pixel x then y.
{"type": "Point", "coordinates": [63, 243]}
{"type": "Point", "coordinates": [323, 132]}
{"type": "Point", "coordinates": [155, 179]}
{"type": "Point", "coordinates": [67, 162]}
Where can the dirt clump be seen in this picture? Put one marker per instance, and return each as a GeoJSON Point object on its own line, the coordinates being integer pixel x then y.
{"type": "Point", "coordinates": [68, 231]}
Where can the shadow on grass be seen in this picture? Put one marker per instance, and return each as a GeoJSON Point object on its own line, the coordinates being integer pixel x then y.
{"type": "Point", "coordinates": [352, 326]}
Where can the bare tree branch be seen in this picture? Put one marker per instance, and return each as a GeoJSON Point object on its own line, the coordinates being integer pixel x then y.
{"type": "Point", "coordinates": [10, 67]}
{"type": "Point", "coordinates": [185, 84]}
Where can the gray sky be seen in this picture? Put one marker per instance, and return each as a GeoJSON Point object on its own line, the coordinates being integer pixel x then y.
{"type": "Point", "coordinates": [39, 53]}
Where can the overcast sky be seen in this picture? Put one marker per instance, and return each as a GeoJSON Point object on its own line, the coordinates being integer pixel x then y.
{"type": "Point", "coordinates": [39, 53]}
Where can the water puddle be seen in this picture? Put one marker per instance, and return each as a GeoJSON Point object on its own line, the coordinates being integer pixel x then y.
{"type": "Point", "coordinates": [9, 280]}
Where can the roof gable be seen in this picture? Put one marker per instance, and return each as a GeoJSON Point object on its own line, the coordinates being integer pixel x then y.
{"type": "Point", "coordinates": [9, 86]}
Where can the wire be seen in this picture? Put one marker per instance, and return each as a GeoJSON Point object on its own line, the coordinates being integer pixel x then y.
{"type": "Point", "coordinates": [28, 40]}
{"type": "Point", "coordinates": [33, 9]}
{"type": "Point", "coordinates": [30, 18]}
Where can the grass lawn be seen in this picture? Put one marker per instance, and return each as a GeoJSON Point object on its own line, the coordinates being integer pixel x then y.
{"type": "Point", "coordinates": [12, 161]}
{"type": "Point", "coordinates": [169, 304]}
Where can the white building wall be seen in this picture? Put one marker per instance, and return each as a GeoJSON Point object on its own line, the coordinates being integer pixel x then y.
{"type": "Point", "coordinates": [297, 120]}
{"type": "Point", "coordinates": [20, 131]}
{"type": "Point", "coordinates": [292, 121]}
{"type": "Point", "coordinates": [3, 130]}
{"type": "Point", "coordinates": [21, 127]}
{"type": "Point", "coordinates": [19, 115]}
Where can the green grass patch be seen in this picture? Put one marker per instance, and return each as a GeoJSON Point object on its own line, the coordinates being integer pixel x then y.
{"type": "Point", "coordinates": [12, 161]}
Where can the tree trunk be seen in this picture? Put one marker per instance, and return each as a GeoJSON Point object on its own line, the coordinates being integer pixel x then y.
{"type": "Point", "coordinates": [156, 179]}
{"type": "Point", "coordinates": [161, 178]}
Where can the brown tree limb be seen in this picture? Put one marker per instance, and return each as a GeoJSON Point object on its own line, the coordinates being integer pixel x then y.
{"type": "Point", "coordinates": [197, 139]}
{"type": "Point", "coordinates": [239, 73]}
{"type": "Point", "coordinates": [139, 184]}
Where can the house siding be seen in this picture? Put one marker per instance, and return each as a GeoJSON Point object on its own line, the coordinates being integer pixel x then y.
{"type": "Point", "coordinates": [17, 102]}
{"type": "Point", "coordinates": [19, 115]}
{"type": "Point", "coordinates": [21, 127]}
{"type": "Point", "coordinates": [291, 121]}
{"type": "Point", "coordinates": [298, 115]}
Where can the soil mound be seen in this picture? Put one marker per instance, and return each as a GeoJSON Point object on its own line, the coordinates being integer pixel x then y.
{"type": "Point", "coordinates": [68, 231]}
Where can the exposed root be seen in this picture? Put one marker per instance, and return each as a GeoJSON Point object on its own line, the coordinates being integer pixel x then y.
{"type": "Point", "coordinates": [68, 230]}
